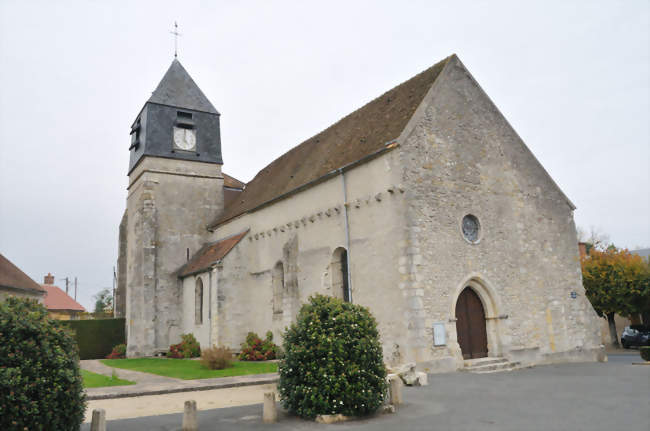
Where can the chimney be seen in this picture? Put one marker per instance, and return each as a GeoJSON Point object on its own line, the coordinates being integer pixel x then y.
{"type": "Point", "coordinates": [583, 249]}
{"type": "Point", "coordinates": [48, 279]}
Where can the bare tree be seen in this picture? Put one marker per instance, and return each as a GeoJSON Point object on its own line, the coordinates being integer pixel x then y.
{"type": "Point", "coordinates": [595, 237]}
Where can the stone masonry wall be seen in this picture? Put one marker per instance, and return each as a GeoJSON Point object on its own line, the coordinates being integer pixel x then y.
{"type": "Point", "coordinates": [169, 205]}
{"type": "Point", "coordinates": [462, 157]}
{"type": "Point", "coordinates": [120, 290]}
{"type": "Point", "coordinates": [303, 232]}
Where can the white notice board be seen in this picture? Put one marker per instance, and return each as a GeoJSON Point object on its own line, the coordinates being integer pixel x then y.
{"type": "Point", "coordinates": [439, 334]}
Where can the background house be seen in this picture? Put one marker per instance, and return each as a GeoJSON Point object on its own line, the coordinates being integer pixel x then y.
{"type": "Point", "coordinates": [14, 282]}
{"type": "Point", "coordinates": [59, 304]}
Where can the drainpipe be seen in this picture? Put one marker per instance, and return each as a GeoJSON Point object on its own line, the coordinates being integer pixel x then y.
{"type": "Point", "coordinates": [347, 234]}
{"type": "Point", "coordinates": [210, 308]}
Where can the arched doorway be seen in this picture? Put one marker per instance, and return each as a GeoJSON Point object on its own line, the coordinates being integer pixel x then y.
{"type": "Point", "coordinates": [470, 325]}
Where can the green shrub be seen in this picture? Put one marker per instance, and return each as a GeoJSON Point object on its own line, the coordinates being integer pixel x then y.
{"type": "Point", "coordinates": [187, 348]}
{"type": "Point", "coordinates": [119, 352]}
{"type": "Point", "coordinates": [40, 383]}
{"type": "Point", "coordinates": [216, 358]}
{"type": "Point", "coordinates": [256, 349]}
{"type": "Point", "coordinates": [645, 353]}
{"type": "Point", "coordinates": [333, 361]}
{"type": "Point", "coordinates": [96, 338]}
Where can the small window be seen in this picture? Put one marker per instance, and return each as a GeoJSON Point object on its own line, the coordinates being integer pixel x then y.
{"type": "Point", "coordinates": [184, 120]}
{"type": "Point", "coordinates": [339, 271]}
{"type": "Point", "coordinates": [198, 302]}
{"type": "Point", "coordinates": [278, 287]}
{"type": "Point", "coordinates": [135, 134]}
{"type": "Point", "coordinates": [471, 228]}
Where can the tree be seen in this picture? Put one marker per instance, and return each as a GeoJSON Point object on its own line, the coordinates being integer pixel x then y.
{"type": "Point", "coordinates": [616, 282]}
{"type": "Point", "coordinates": [40, 381]}
{"type": "Point", "coordinates": [103, 301]}
{"type": "Point", "coordinates": [593, 238]}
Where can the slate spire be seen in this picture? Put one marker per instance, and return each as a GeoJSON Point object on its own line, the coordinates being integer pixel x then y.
{"type": "Point", "coordinates": [178, 89]}
{"type": "Point", "coordinates": [177, 122]}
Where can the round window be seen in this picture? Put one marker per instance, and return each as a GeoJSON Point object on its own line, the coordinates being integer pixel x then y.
{"type": "Point", "coordinates": [470, 228]}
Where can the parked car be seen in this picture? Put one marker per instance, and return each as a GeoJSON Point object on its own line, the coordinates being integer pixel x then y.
{"type": "Point", "coordinates": [635, 335]}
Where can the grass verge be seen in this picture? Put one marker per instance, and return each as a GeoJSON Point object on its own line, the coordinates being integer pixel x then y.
{"type": "Point", "coordinates": [187, 369]}
{"type": "Point", "coordinates": [94, 380]}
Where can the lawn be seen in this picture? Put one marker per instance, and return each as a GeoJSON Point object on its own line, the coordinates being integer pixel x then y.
{"type": "Point", "coordinates": [188, 369]}
{"type": "Point", "coordinates": [94, 380]}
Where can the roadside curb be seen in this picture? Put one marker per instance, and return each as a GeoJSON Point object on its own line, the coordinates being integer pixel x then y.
{"type": "Point", "coordinates": [172, 390]}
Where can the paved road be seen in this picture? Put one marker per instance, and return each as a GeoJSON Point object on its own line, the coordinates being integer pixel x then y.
{"type": "Point", "coordinates": [592, 397]}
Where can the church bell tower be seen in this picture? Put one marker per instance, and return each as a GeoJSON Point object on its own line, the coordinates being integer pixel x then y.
{"type": "Point", "coordinates": [175, 190]}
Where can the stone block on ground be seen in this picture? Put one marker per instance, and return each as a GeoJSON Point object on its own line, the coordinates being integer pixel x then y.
{"type": "Point", "coordinates": [388, 408]}
{"type": "Point", "coordinates": [422, 379]}
{"type": "Point", "coordinates": [330, 419]}
{"type": "Point", "coordinates": [406, 373]}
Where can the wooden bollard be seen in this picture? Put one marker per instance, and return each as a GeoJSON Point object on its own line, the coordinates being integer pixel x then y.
{"type": "Point", "coordinates": [99, 420]}
{"type": "Point", "coordinates": [190, 422]}
{"type": "Point", "coordinates": [270, 413]}
{"type": "Point", "coordinates": [396, 391]}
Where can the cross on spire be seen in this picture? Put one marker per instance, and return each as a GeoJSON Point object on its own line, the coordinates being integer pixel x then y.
{"type": "Point", "coordinates": [176, 34]}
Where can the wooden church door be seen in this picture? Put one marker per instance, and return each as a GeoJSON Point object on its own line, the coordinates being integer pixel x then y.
{"type": "Point", "coordinates": [470, 325]}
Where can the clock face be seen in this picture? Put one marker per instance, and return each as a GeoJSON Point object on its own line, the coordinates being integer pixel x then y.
{"type": "Point", "coordinates": [185, 139]}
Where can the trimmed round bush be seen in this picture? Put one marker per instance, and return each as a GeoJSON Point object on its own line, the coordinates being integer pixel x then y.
{"type": "Point", "coordinates": [40, 383]}
{"type": "Point", "coordinates": [645, 353]}
{"type": "Point", "coordinates": [333, 361]}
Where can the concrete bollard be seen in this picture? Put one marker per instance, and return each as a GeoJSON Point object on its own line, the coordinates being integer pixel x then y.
{"type": "Point", "coordinates": [270, 413]}
{"type": "Point", "coordinates": [99, 420]}
{"type": "Point", "coordinates": [396, 391]}
{"type": "Point", "coordinates": [190, 422]}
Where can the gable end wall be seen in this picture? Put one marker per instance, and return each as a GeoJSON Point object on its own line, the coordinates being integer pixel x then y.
{"type": "Point", "coordinates": [462, 157]}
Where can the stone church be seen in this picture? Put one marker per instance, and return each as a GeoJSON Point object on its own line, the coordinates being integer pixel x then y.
{"type": "Point", "coordinates": [424, 205]}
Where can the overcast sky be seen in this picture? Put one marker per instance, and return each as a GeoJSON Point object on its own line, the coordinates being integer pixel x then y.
{"type": "Point", "coordinates": [571, 77]}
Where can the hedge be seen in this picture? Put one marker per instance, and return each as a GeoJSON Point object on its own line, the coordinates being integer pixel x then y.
{"type": "Point", "coordinates": [96, 338]}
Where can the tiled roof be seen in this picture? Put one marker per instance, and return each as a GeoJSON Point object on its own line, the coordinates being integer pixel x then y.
{"type": "Point", "coordinates": [210, 254]}
{"type": "Point", "coordinates": [357, 135]}
{"type": "Point", "coordinates": [12, 277]}
{"type": "Point", "coordinates": [230, 196]}
{"type": "Point", "coordinates": [57, 299]}
{"type": "Point", "coordinates": [232, 182]}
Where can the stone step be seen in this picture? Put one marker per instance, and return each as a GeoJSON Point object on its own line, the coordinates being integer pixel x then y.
{"type": "Point", "coordinates": [494, 368]}
{"type": "Point", "coordinates": [510, 367]}
{"type": "Point", "coordinates": [484, 361]}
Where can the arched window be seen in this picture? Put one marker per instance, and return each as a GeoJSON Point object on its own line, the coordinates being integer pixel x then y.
{"type": "Point", "coordinates": [198, 302]}
{"type": "Point", "coordinates": [278, 287]}
{"type": "Point", "coordinates": [339, 270]}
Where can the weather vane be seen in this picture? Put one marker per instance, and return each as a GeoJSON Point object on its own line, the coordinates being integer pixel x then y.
{"type": "Point", "coordinates": [176, 34]}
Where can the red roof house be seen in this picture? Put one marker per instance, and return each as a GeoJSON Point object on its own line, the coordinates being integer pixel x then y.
{"type": "Point", "coordinates": [60, 305]}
